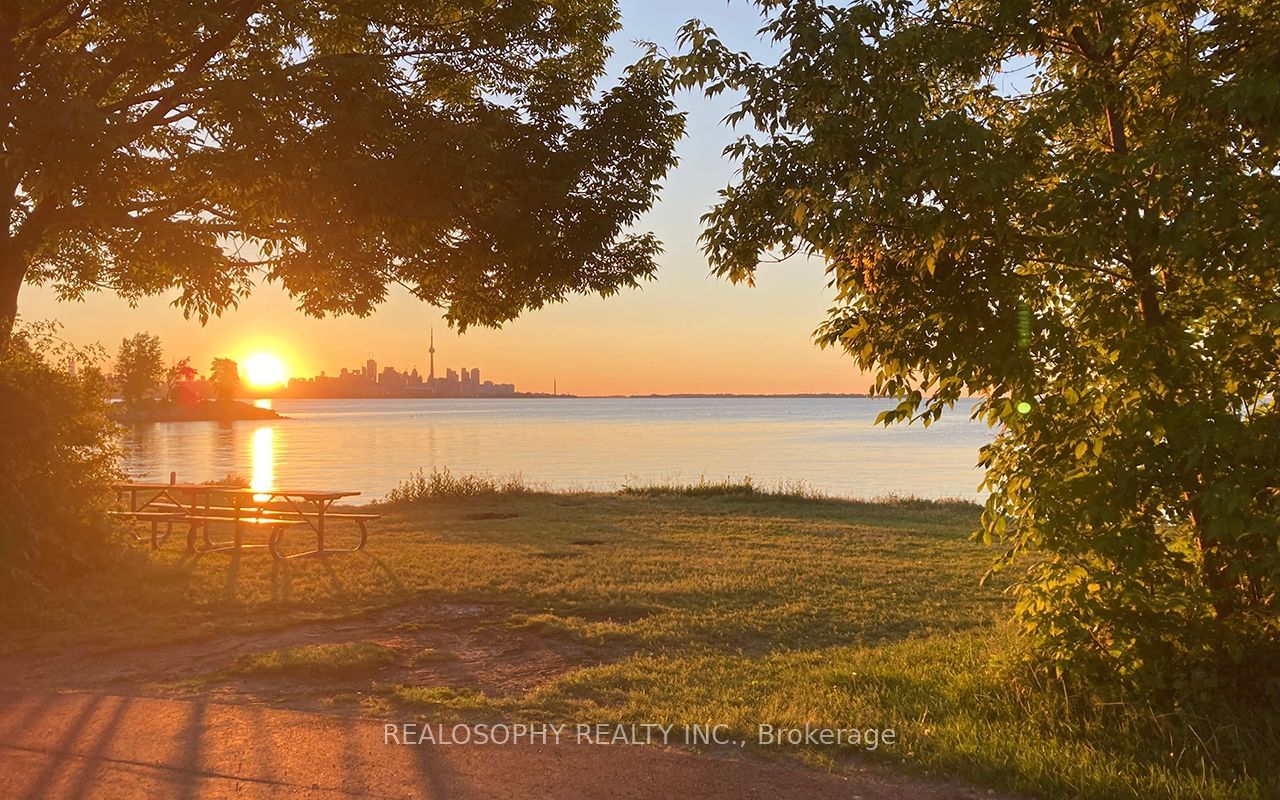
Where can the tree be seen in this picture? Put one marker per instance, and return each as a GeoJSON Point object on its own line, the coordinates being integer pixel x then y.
{"type": "Point", "coordinates": [1072, 211]}
{"type": "Point", "coordinates": [176, 379]}
{"type": "Point", "coordinates": [451, 148]}
{"type": "Point", "coordinates": [139, 366]}
{"type": "Point", "coordinates": [224, 377]}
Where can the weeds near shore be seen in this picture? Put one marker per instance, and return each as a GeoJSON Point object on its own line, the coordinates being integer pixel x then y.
{"type": "Point", "coordinates": [441, 483]}
{"type": "Point", "coordinates": [794, 490]}
{"type": "Point", "coordinates": [232, 480]}
{"type": "Point", "coordinates": [746, 487]}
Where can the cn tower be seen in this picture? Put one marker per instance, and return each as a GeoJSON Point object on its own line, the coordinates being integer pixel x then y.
{"type": "Point", "coordinates": [431, 373]}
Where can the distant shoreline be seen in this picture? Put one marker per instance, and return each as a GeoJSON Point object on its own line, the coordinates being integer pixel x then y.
{"type": "Point", "coordinates": [712, 395]}
{"type": "Point", "coordinates": [538, 396]}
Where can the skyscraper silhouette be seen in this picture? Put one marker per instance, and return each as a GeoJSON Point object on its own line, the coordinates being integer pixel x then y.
{"type": "Point", "coordinates": [431, 372]}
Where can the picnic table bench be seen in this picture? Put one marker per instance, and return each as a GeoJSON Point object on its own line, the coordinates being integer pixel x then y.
{"type": "Point", "coordinates": [199, 506]}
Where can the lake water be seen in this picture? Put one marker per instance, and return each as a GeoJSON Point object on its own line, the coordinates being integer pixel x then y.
{"type": "Point", "coordinates": [831, 444]}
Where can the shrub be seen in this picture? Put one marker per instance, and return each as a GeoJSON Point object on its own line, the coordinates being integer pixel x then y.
{"type": "Point", "coordinates": [58, 458]}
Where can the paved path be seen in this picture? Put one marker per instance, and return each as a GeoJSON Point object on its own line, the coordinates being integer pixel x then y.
{"type": "Point", "coordinates": [106, 747]}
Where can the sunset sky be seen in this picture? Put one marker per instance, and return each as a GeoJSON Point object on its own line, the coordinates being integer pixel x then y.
{"type": "Point", "coordinates": [685, 332]}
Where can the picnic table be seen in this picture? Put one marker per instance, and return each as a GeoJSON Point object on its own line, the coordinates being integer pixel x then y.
{"type": "Point", "coordinates": [200, 505]}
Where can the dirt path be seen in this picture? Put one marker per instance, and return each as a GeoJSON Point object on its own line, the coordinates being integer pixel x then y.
{"type": "Point", "coordinates": [142, 723]}
{"type": "Point", "coordinates": [456, 645]}
{"type": "Point", "coordinates": [107, 748]}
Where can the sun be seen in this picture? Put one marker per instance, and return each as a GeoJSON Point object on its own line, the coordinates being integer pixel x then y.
{"type": "Point", "coordinates": [264, 370]}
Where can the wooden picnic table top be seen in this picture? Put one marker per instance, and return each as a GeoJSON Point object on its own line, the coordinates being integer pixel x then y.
{"type": "Point", "coordinates": [305, 494]}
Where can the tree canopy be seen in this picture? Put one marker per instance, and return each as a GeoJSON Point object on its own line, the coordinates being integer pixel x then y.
{"type": "Point", "coordinates": [1071, 211]}
{"type": "Point", "coordinates": [457, 149]}
{"type": "Point", "coordinates": [139, 366]}
{"type": "Point", "coordinates": [224, 378]}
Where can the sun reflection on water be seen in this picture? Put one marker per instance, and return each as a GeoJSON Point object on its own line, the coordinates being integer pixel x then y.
{"type": "Point", "coordinates": [264, 458]}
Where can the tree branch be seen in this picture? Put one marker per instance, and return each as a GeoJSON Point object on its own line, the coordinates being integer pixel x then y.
{"type": "Point", "coordinates": [170, 98]}
{"type": "Point", "coordinates": [39, 36]}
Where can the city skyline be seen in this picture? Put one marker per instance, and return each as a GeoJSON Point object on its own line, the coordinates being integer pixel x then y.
{"type": "Point", "coordinates": [368, 381]}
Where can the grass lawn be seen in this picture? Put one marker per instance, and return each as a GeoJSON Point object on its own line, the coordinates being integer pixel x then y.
{"type": "Point", "coordinates": [709, 607]}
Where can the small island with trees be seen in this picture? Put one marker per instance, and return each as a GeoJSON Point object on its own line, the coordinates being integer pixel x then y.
{"type": "Point", "coordinates": [151, 392]}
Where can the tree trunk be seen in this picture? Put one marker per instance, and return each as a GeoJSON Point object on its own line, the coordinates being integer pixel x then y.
{"type": "Point", "coordinates": [12, 272]}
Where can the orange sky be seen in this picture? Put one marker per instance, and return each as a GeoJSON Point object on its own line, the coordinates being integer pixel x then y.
{"type": "Point", "coordinates": [685, 332]}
